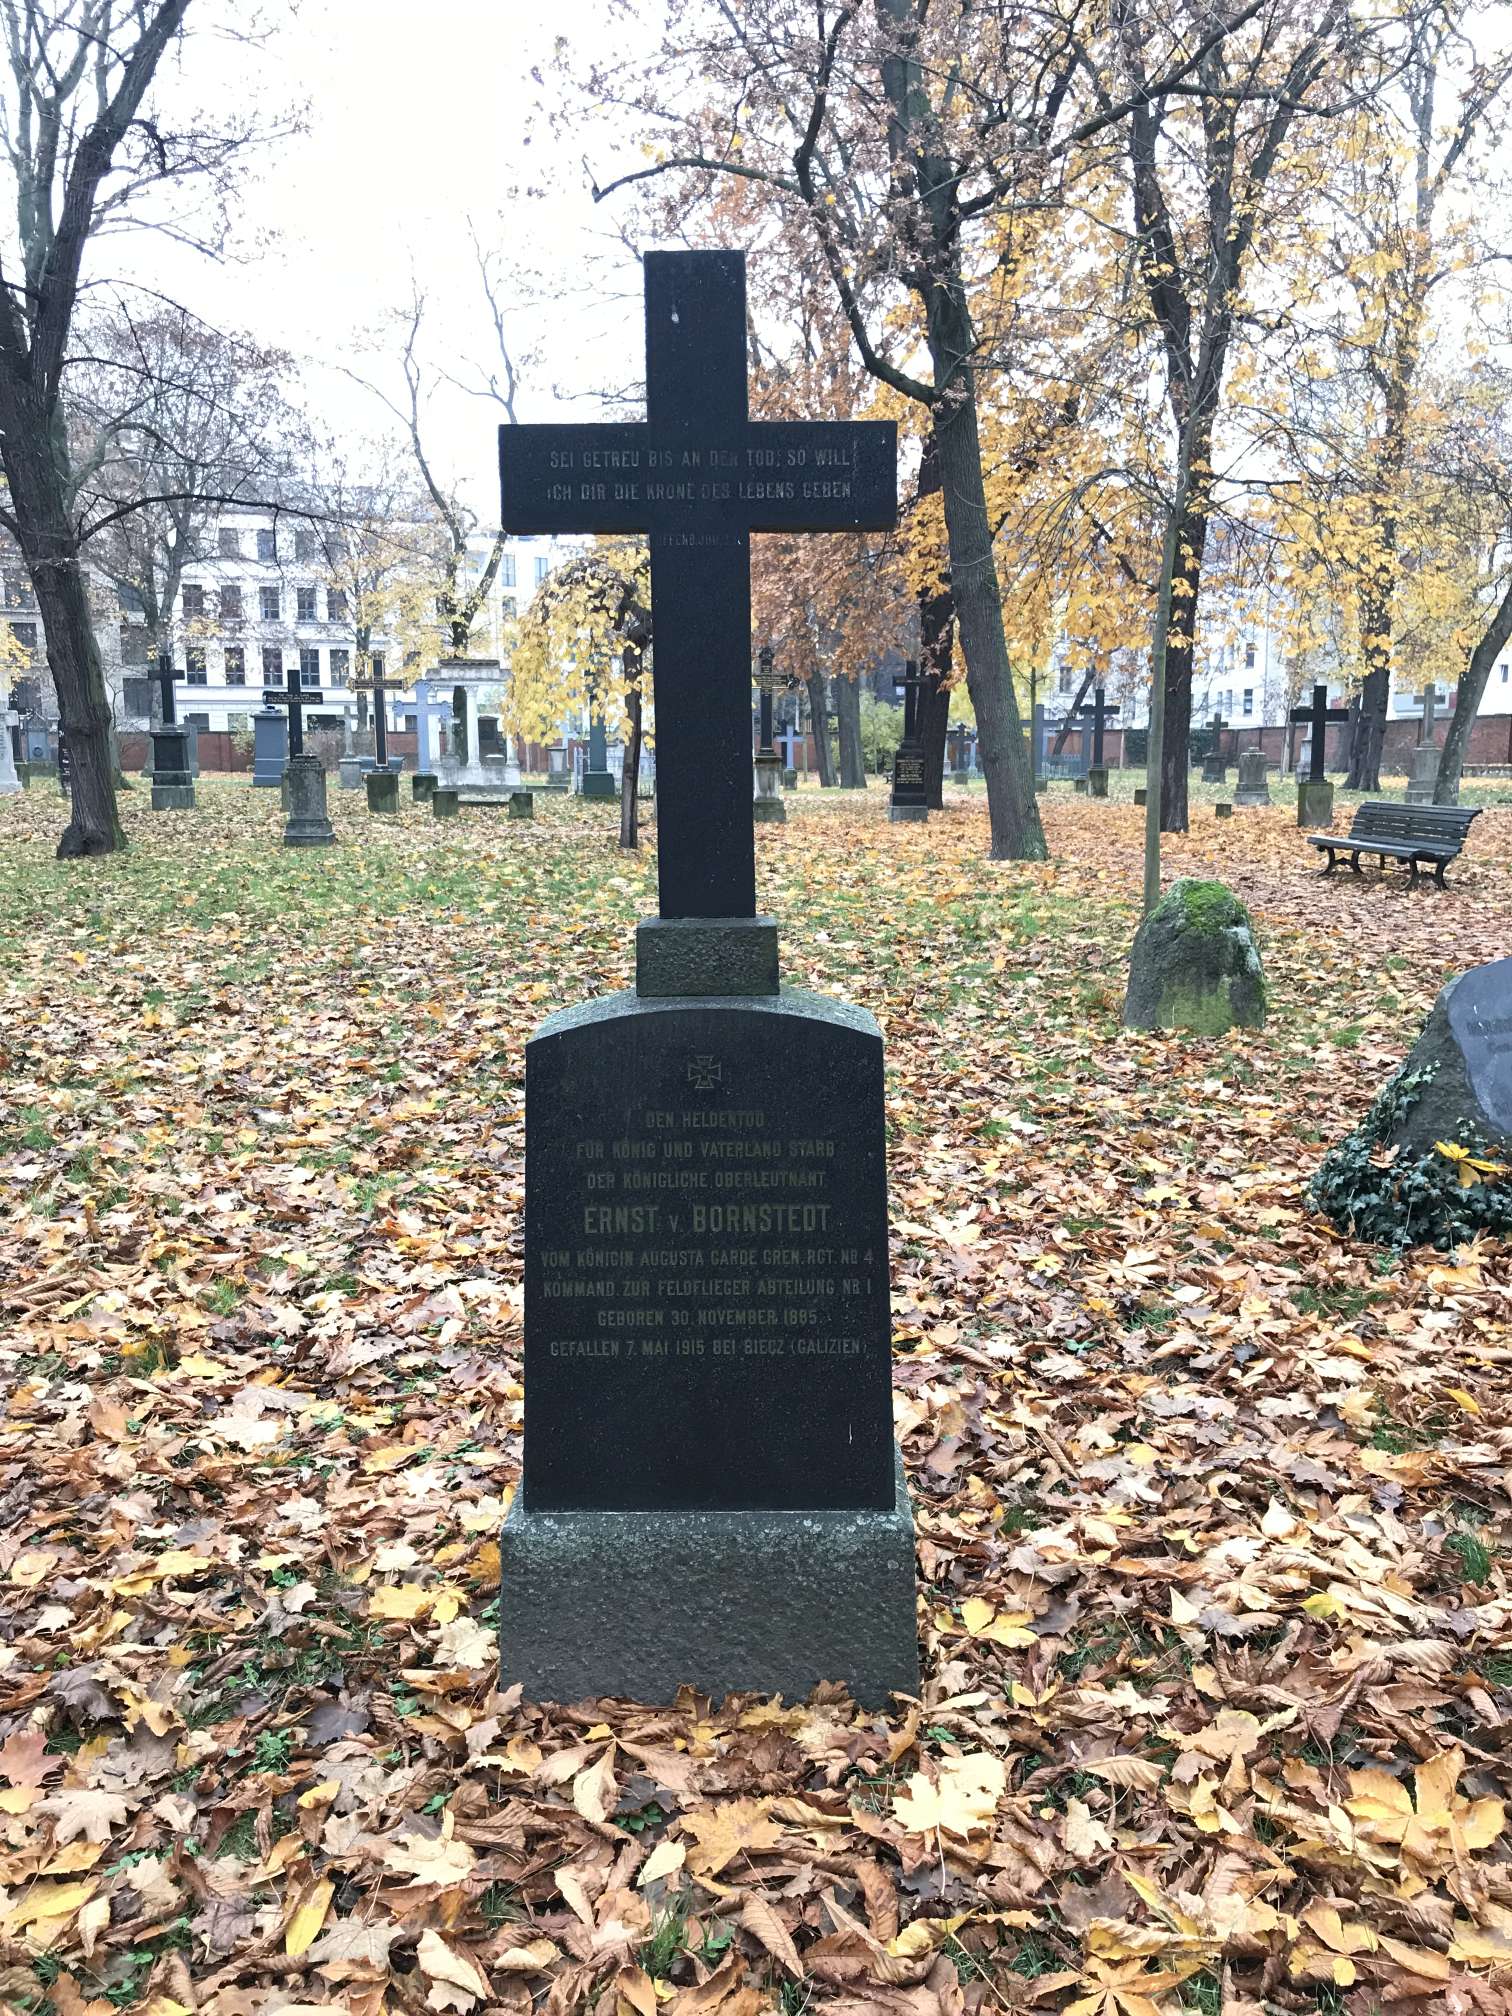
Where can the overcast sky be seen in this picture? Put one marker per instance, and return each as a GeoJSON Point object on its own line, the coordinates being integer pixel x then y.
{"type": "Point", "coordinates": [416, 117]}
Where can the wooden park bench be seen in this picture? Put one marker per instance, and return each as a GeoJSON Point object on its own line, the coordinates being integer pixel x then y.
{"type": "Point", "coordinates": [1433, 834]}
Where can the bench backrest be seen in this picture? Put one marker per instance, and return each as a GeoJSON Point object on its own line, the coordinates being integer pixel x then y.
{"type": "Point", "coordinates": [1384, 821]}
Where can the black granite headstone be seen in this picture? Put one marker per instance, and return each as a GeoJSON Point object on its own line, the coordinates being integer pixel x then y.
{"type": "Point", "coordinates": [710, 1493]}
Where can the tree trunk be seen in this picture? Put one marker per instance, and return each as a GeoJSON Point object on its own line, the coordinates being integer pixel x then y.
{"type": "Point", "coordinates": [1472, 690]}
{"type": "Point", "coordinates": [1012, 809]}
{"type": "Point", "coordinates": [1369, 738]}
{"type": "Point", "coordinates": [630, 775]}
{"type": "Point", "coordinates": [818, 693]}
{"type": "Point", "coordinates": [1181, 645]}
{"type": "Point", "coordinates": [35, 466]}
{"type": "Point", "coordinates": [936, 650]}
{"type": "Point", "coordinates": [848, 715]}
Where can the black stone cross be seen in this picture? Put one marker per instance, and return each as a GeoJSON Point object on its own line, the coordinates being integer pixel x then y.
{"type": "Point", "coordinates": [374, 685]}
{"type": "Point", "coordinates": [912, 683]}
{"type": "Point", "coordinates": [293, 696]}
{"type": "Point", "coordinates": [1318, 715]}
{"type": "Point", "coordinates": [1100, 711]}
{"type": "Point", "coordinates": [1429, 700]}
{"type": "Point", "coordinates": [700, 476]}
{"type": "Point", "coordinates": [164, 676]}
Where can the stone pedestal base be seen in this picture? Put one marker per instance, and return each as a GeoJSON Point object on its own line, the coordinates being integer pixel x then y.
{"type": "Point", "coordinates": [907, 812]}
{"type": "Point", "coordinates": [1141, 794]}
{"type": "Point", "coordinates": [1079, 786]}
{"type": "Point", "coordinates": [422, 784]}
{"type": "Point", "coordinates": [638, 1604]}
{"type": "Point", "coordinates": [349, 768]}
{"type": "Point", "coordinates": [1041, 784]}
{"type": "Point", "coordinates": [521, 804]}
{"type": "Point", "coordinates": [1425, 767]}
{"type": "Point", "coordinates": [1097, 782]}
{"type": "Point", "coordinates": [1224, 811]}
{"type": "Point", "coordinates": [383, 790]}
{"type": "Point", "coordinates": [172, 784]}
{"type": "Point", "coordinates": [443, 802]}
{"type": "Point", "coordinates": [790, 780]}
{"type": "Point", "coordinates": [599, 784]}
{"type": "Point", "coordinates": [767, 808]}
{"type": "Point", "coordinates": [308, 824]}
{"type": "Point", "coordinates": [1214, 771]}
{"type": "Point", "coordinates": [1314, 803]}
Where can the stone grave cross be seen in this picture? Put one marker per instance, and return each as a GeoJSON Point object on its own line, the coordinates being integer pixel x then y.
{"type": "Point", "coordinates": [164, 676]}
{"type": "Point", "coordinates": [373, 685]}
{"type": "Point", "coordinates": [1319, 716]}
{"type": "Point", "coordinates": [1100, 713]}
{"type": "Point", "coordinates": [294, 697]}
{"type": "Point", "coordinates": [700, 476]}
{"type": "Point", "coordinates": [172, 777]}
{"type": "Point", "coordinates": [1429, 698]}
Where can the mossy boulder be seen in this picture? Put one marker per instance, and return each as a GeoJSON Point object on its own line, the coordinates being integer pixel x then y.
{"type": "Point", "coordinates": [1431, 1162]}
{"type": "Point", "coordinates": [1195, 964]}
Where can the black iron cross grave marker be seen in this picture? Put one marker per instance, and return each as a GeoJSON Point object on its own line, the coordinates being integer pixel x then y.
{"type": "Point", "coordinates": [1101, 713]}
{"type": "Point", "coordinates": [294, 697]}
{"type": "Point", "coordinates": [700, 476]}
{"type": "Point", "coordinates": [1318, 715]}
{"type": "Point", "coordinates": [165, 676]}
{"type": "Point", "coordinates": [374, 685]}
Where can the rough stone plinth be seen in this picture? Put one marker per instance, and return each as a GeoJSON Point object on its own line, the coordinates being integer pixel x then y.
{"type": "Point", "coordinates": [1195, 964]}
{"type": "Point", "coordinates": [1223, 809]}
{"type": "Point", "coordinates": [1315, 804]}
{"type": "Point", "coordinates": [1141, 794]}
{"type": "Point", "coordinates": [521, 804]}
{"type": "Point", "coordinates": [790, 779]}
{"type": "Point", "coordinates": [422, 784]}
{"type": "Point", "coordinates": [383, 790]}
{"type": "Point", "coordinates": [677, 958]}
{"type": "Point", "coordinates": [1215, 770]}
{"type": "Point", "coordinates": [598, 784]}
{"type": "Point", "coordinates": [1425, 769]}
{"type": "Point", "coordinates": [443, 802]}
{"type": "Point", "coordinates": [308, 823]}
{"type": "Point", "coordinates": [1097, 782]}
{"type": "Point", "coordinates": [638, 1604]}
{"type": "Point", "coordinates": [172, 782]}
{"type": "Point", "coordinates": [350, 770]}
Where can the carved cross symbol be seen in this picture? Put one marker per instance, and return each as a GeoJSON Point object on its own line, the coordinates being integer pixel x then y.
{"type": "Point", "coordinates": [704, 1073]}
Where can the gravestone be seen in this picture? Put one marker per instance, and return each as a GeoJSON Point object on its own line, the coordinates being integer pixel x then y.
{"type": "Point", "coordinates": [1215, 763]}
{"type": "Point", "coordinates": [711, 1493]}
{"type": "Point", "coordinates": [1315, 795]}
{"type": "Point", "coordinates": [910, 796]}
{"type": "Point", "coordinates": [1195, 964]}
{"type": "Point", "coordinates": [1426, 756]}
{"type": "Point", "coordinates": [1099, 714]}
{"type": "Point", "coordinates": [443, 802]}
{"type": "Point", "coordinates": [1253, 788]}
{"type": "Point", "coordinates": [477, 778]}
{"type": "Point", "coordinates": [597, 780]}
{"type": "Point", "coordinates": [270, 749]}
{"type": "Point", "coordinates": [307, 821]}
{"type": "Point", "coordinates": [172, 784]}
{"type": "Point", "coordinates": [10, 782]}
{"type": "Point", "coordinates": [422, 784]}
{"type": "Point", "coordinates": [1431, 1161]}
{"type": "Point", "coordinates": [767, 808]}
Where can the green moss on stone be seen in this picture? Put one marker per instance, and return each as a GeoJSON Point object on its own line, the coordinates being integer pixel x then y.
{"type": "Point", "coordinates": [1208, 906]}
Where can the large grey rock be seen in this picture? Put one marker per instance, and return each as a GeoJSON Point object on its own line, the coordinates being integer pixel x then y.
{"type": "Point", "coordinates": [1398, 1179]}
{"type": "Point", "coordinates": [1195, 964]}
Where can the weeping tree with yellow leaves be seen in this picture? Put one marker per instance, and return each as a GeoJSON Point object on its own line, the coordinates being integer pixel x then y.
{"type": "Point", "coordinates": [582, 648]}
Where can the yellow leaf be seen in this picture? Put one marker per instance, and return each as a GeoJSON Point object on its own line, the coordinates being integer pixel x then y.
{"type": "Point", "coordinates": [1467, 1401]}
{"type": "Point", "coordinates": [595, 1788]}
{"type": "Point", "coordinates": [665, 1858]}
{"type": "Point", "coordinates": [450, 1964]}
{"type": "Point", "coordinates": [962, 1800]}
{"type": "Point", "coordinates": [406, 1600]}
{"type": "Point", "coordinates": [304, 1926]}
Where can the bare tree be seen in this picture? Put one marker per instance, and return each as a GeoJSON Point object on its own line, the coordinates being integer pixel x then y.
{"type": "Point", "coordinates": [83, 151]}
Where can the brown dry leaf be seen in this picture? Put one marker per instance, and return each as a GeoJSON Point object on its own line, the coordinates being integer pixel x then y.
{"type": "Point", "coordinates": [595, 1791]}
{"type": "Point", "coordinates": [734, 1827]}
{"type": "Point", "coordinates": [762, 1922]}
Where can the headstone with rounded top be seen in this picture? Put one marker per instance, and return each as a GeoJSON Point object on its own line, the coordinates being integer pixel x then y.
{"type": "Point", "coordinates": [1253, 789]}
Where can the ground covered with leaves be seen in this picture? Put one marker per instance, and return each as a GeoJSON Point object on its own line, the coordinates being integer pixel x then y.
{"type": "Point", "coordinates": [1212, 1505]}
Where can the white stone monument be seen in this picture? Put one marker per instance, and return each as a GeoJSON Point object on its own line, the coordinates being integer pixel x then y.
{"type": "Point", "coordinates": [10, 783]}
{"type": "Point", "coordinates": [476, 779]}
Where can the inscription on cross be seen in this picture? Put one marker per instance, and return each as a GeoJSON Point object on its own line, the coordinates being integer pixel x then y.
{"type": "Point", "coordinates": [292, 696]}
{"type": "Point", "coordinates": [700, 476]}
{"type": "Point", "coordinates": [1319, 716]}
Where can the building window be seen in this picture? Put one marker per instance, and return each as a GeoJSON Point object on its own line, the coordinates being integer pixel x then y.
{"type": "Point", "coordinates": [270, 603]}
{"type": "Point", "coordinates": [304, 605]}
{"type": "Point", "coordinates": [506, 570]}
{"type": "Point", "coordinates": [304, 543]}
{"type": "Point", "coordinates": [336, 605]}
{"type": "Point", "coordinates": [1249, 699]}
{"type": "Point", "coordinates": [193, 600]}
{"type": "Point", "coordinates": [230, 604]}
{"type": "Point", "coordinates": [20, 592]}
{"type": "Point", "coordinates": [236, 665]}
{"type": "Point", "coordinates": [309, 665]}
{"type": "Point", "coordinates": [272, 658]}
{"type": "Point", "coordinates": [133, 645]}
{"type": "Point", "coordinates": [1249, 657]}
{"type": "Point", "coordinates": [194, 666]}
{"type": "Point", "coordinates": [228, 543]}
{"type": "Point", "coordinates": [25, 635]}
{"type": "Point", "coordinates": [1505, 670]}
{"type": "Point", "coordinates": [542, 568]}
{"type": "Point", "coordinates": [377, 664]}
{"type": "Point", "coordinates": [267, 545]}
{"type": "Point", "coordinates": [340, 661]}
{"type": "Point", "coordinates": [201, 722]}
{"type": "Point", "coordinates": [507, 608]}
